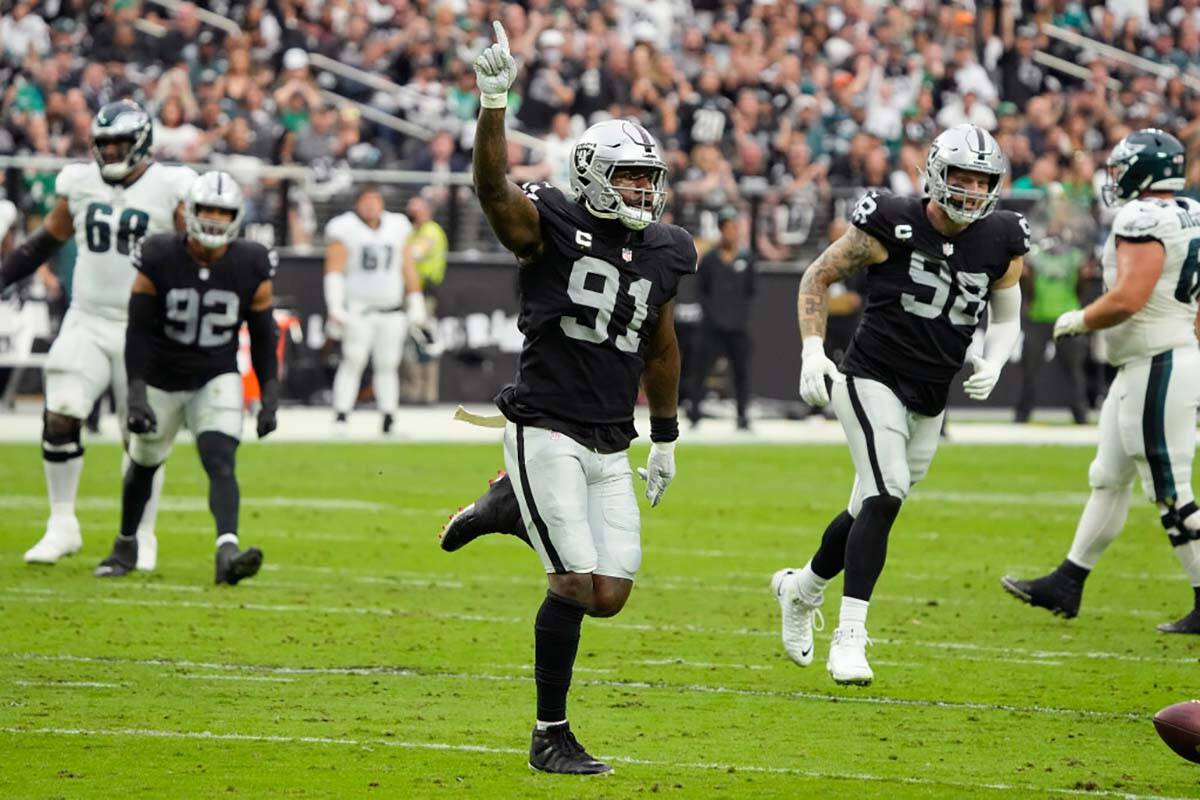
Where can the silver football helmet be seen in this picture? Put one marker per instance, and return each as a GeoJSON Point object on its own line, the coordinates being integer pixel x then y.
{"type": "Point", "coordinates": [606, 147]}
{"type": "Point", "coordinates": [214, 190]}
{"type": "Point", "coordinates": [972, 149]}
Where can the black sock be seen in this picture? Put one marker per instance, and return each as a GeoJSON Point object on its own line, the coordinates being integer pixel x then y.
{"type": "Point", "coordinates": [866, 546]}
{"type": "Point", "coordinates": [556, 637]}
{"type": "Point", "coordinates": [139, 482]}
{"type": "Point", "coordinates": [218, 454]}
{"type": "Point", "coordinates": [830, 557]}
{"type": "Point", "coordinates": [1069, 569]}
{"type": "Point", "coordinates": [1196, 597]}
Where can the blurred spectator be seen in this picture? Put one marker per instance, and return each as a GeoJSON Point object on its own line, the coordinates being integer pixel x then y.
{"type": "Point", "coordinates": [420, 369]}
{"type": "Point", "coordinates": [549, 85]}
{"type": "Point", "coordinates": [175, 139]}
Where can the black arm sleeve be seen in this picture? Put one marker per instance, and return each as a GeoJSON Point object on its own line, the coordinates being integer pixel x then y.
{"type": "Point", "coordinates": [143, 314]}
{"type": "Point", "coordinates": [25, 260]}
{"type": "Point", "coordinates": [262, 345]}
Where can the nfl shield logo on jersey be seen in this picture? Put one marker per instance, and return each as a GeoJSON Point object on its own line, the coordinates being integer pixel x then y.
{"type": "Point", "coordinates": [626, 254]}
{"type": "Point", "coordinates": [948, 248]}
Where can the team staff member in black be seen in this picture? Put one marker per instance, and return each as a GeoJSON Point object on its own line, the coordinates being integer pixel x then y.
{"type": "Point", "coordinates": [726, 276]}
{"type": "Point", "coordinates": [597, 277]}
{"type": "Point", "coordinates": [191, 295]}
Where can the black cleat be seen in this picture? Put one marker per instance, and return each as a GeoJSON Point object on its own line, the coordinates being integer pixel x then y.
{"type": "Point", "coordinates": [1055, 592]}
{"type": "Point", "coordinates": [234, 565]}
{"type": "Point", "coordinates": [387, 424]}
{"type": "Point", "coordinates": [557, 750]}
{"type": "Point", "coordinates": [1189, 624]}
{"type": "Point", "coordinates": [497, 511]}
{"type": "Point", "coordinates": [121, 561]}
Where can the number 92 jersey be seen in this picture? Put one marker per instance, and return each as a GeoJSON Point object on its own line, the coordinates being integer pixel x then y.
{"type": "Point", "coordinates": [589, 305]}
{"type": "Point", "coordinates": [110, 219]}
{"type": "Point", "coordinates": [202, 307]}
{"type": "Point", "coordinates": [924, 302]}
{"type": "Point", "coordinates": [1168, 319]}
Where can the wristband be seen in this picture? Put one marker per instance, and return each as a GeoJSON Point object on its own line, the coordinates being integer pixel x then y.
{"type": "Point", "coordinates": [664, 429]}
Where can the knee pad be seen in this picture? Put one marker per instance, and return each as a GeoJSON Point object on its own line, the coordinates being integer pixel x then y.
{"type": "Point", "coordinates": [60, 437]}
{"type": "Point", "coordinates": [880, 512]}
{"type": "Point", "coordinates": [218, 453]}
{"type": "Point", "coordinates": [1100, 478]}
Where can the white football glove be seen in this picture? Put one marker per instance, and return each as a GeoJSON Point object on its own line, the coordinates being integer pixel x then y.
{"type": "Point", "coordinates": [659, 471]}
{"type": "Point", "coordinates": [1070, 323]}
{"type": "Point", "coordinates": [815, 367]}
{"type": "Point", "coordinates": [414, 306]}
{"type": "Point", "coordinates": [495, 71]}
{"type": "Point", "coordinates": [983, 380]}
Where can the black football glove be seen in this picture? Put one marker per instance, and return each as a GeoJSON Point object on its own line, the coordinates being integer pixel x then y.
{"type": "Point", "coordinates": [139, 417]}
{"type": "Point", "coordinates": [270, 405]}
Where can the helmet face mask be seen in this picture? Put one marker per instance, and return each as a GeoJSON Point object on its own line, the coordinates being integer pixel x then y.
{"type": "Point", "coordinates": [964, 148]}
{"type": "Point", "coordinates": [214, 190]}
{"type": "Point", "coordinates": [1148, 160]}
{"type": "Point", "coordinates": [609, 151]}
{"type": "Point", "coordinates": [125, 124]}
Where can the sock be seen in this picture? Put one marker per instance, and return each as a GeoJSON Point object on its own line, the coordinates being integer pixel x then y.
{"type": "Point", "coordinates": [386, 383]}
{"type": "Point", "coordinates": [556, 637]}
{"type": "Point", "coordinates": [1069, 569]}
{"type": "Point", "coordinates": [1102, 519]}
{"type": "Point", "coordinates": [1189, 557]}
{"type": "Point", "coordinates": [545, 726]}
{"type": "Point", "coordinates": [345, 385]}
{"type": "Point", "coordinates": [830, 557]}
{"type": "Point", "coordinates": [135, 494]}
{"type": "Point", "coordinates": [150, 514]}
{"type": "Point", "coordinates": [866, 546]}
{"type": "Point", "coordinates": [854, 613]}
{"type": "Point", "coordinates": [227, 538]}
{"type": "Point", "coordinates": [63, 464]}
{"type": "Point", "coordinates": [1196, 597]}
{"type": "Point", "coordinates": [810, 584]}
{"type": "Point", "coordinates": [218, 454]}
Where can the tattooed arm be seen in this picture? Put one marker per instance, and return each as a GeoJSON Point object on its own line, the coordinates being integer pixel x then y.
{"type": "Point", "coordinates": [512, 215]}
{"type": "Point", "coordinates": [850, 253]}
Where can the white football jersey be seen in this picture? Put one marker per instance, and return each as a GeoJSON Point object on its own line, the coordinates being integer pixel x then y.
{"type": "Point", "coordinates": [110, 219]}
{"type": "Point", "coordinates": [1169, 316]}
{"type": "Point", "coordinates": [8, 215]}
{"type": "Point", "coordinates": [374, 258]}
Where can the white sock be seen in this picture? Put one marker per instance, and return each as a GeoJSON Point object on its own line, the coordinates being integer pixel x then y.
{"type": "Point", "coordinates": [1189, 557]}
{"type": "Point", "coordinates": [810, 584]}
{"type": "Point", "coordinates": [541, 726]}
{"type": "Point", "coordinates": [62, 482]}
{"type": "Point", "coordinates": [227, 538]}
{"type": "Point", "coordinates": [1101, 521]}
{"type": "Point", "coordinates": [854, 613]}
{"type": "Point", "coordinates": [150, 512]}
{"type": "Point", "coordinates": [345, 386]}
{"type": "Point", "coordinates": [386, 383]}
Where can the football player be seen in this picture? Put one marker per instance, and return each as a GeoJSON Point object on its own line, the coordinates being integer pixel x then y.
{"type": "Point", "coordinates": [933, 264]}
{"type": "Point", "coordinates": [192, 293]}
{"type": "Point", "coordinates": [108, 206]}
{"type": "Point", "coordinates": [597, 277]}
{"type": "Point", "coordinates": [368, 269]}
{"type": "Point", "coordinates": [1148, 320]}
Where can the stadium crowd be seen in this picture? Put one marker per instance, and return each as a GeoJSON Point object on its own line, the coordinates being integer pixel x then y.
{"type": "Point", "coordinates": [795, 104]}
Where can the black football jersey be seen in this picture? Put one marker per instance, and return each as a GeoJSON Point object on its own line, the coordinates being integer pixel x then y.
{"type": "Point", "coordinates": [202, 307]}
{"type": "Point", "coordinates": [588, 306]}
{"type": "Point", "coordinates": [924, 303]}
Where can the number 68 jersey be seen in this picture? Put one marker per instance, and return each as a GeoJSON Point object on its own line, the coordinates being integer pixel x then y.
{"type": "Point", "coordinates": [924, 302]}
{"type": "Point", "coordinates": [1167, 320]}
{"type": "Point", "coordinates": [202, 307]}
{"type": "Point", "coordinates": [110, 220]}
{"type": "Point", "coordinates": [589, 305]}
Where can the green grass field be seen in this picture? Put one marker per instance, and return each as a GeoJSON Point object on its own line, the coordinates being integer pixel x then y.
{"type": "Point", "coordinates": [364, 662]}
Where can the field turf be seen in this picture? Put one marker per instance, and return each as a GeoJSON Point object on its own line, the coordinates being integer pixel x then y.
{"type": "Point", "coordinates": [364, 662]}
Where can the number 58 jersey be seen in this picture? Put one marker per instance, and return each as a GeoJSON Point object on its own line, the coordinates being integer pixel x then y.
{"type": "Point", "coordinates": [110, 220]}
{"type": "Point", "coordinates": [1168, 319]}
{"type": "Point", "coordinates": [589, 305]}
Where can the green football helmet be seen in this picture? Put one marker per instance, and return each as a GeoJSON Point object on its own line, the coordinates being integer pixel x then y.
{"type": "Point", "coordinates": [128, 125]}
{"type": "Point", "coordinates": [1149, 160]}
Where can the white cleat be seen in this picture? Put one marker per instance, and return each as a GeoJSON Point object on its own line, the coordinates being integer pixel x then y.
{"type": "Point", "coordinates": [801, 616]}
{"type": "Point", "coordinates": [340, 429]}
{"type": "Point", "coordinates": [62, 538]}
{"type": "Point", "coordinates": [147, 558]}
{"type": "Point", "coordinates": [847, 662]}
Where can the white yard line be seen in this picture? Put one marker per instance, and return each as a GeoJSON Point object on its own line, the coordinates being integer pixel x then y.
{"type": "Point", "coordinates": [69, 684]}
{"type": "Point", "coordinates": [692, 688]}
{"type": "Point", "coordinates": [963, 786]}
{"type": "Point", "coordinates": [197, 505]}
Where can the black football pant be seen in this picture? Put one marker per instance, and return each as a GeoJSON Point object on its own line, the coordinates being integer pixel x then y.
{"type": "Point", "coordinates": [735, 346]}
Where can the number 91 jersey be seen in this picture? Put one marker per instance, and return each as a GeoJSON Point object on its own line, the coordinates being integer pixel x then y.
{"type": "Point", "coordinates": [203, 307]}
{"type": "Point", "coordinates": [1168, 319]}
{"type": "Point", "coordinates": [924, 302]}
{"type": "Point", "coordinates": [589, 305]}
{"type": "Point", "coordinates": [110, 219]}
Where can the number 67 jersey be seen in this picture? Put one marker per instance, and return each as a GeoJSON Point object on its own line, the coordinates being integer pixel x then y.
{"type": "Point", "coordinates": [1168, 319]}
{"type": "Point", "coordinates": [924, 303]}
{"type": "Point", "coordinates": [110, 219]}
{"type": "Point", "coordinates": [589, 305]}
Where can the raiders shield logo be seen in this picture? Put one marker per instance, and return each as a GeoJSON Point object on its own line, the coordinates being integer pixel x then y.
{"type": "Point", "coordinates": [626, 254]}
{"type": "Point", "coordinates": [582, 156]}
{"type": "Point", "coordinates": [948, 248]}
